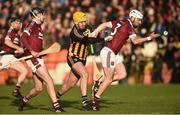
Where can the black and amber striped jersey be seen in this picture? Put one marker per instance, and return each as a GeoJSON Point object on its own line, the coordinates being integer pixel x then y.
{"type": "Point", "coordinates": [79, 41]}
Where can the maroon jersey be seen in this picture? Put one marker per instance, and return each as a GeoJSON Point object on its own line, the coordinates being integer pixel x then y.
{"type": "Point", "coordinates": [32, 37]}
{"type": "Point", "coordinates": [12, 35]}
{"type": "Point", "coordinates": [121, 30]}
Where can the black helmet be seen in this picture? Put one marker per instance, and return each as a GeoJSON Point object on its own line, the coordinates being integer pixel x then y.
{"type": "Point", "coordinates": [37, 10]}
{"type": "Point", "coordinates": [13, 19]}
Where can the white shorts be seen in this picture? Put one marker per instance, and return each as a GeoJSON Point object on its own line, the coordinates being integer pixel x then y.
{"type": "Point", "coordinates": [109, 59]}
{"type": "Point", "coordinates": [6, 60]}
{"type": "Point", "coordinates": [40, 62]}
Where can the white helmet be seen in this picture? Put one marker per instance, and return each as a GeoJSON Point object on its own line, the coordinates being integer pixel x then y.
{"type": "Point", "coordinates": [135, 14]}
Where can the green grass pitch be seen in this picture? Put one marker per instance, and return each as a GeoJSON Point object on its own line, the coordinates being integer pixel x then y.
{"type": "Point", "coordinates": [119, 99]}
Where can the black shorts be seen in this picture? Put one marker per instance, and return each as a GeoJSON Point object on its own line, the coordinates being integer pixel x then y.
{"type": "Point", "coordinates": [71, 60]}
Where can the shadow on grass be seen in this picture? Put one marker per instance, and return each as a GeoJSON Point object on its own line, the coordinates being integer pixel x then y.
{"type": "Point", "coordinates": [108, 103]}
{"type": "Point", "coordinates": [102, 104]}
{"type": "Point", "coordinates": [64, 103]}
{"type": "Point", "coordinates": [4, 98]}
{"type": "Point", "coordinates": [15, 102]}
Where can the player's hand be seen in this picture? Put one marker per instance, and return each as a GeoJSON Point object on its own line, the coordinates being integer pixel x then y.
{"type": "Point", "coordinates": [94, 34]}
{"type": "Point", "coordinates": [19, 50]}
{"type": "Point", "coordinates": [108, 38]}
{"type": "Point", "coordinates": [153, 35]}
{"type": "Point", "coordinates": [34, 54]}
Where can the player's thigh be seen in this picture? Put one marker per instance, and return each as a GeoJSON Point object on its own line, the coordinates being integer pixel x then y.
{"type": "Point", "coordinates": [6, 61]}
{"type": "Point", "coordinates": [35, 63]}
{"type": "Point", "coordinates": [107, 58]}
{"type": "Point", "coordinates": [109, 72]}
{"type": "Point", "coordinates": [108, 61]}
{"type": "Point", "coordinates": [18, 66]}
{"type": "Point", "coordinates": [120, 69]}
{"type": "Point", "coordinates": [37, 66]}
{"type": "Point", "coordinates": [80, 68]}
{"type": "Point", "coordinates": [43, 73]}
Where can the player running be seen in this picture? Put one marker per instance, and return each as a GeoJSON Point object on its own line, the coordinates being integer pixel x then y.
{"type": "Point", "coordinates": [121, 31]}
{"type": "Point", "coordinates": [32, 39]}
{"type": "Point", "coordinates": [77, 55]}
{"type": "Point", "coordinates": [12, 45]}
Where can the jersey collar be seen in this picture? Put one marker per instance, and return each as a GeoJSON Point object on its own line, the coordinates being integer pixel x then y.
{"type": "Point", "coordinates": [130, 22]}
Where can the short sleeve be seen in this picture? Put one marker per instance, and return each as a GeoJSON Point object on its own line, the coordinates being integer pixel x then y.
{"type": "Point", "coordinates": [9, 35]}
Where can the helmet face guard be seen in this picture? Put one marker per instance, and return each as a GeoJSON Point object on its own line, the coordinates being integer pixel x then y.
{"type": "Point", "coordinates": [79, 17]}
{"type": "Point", "coordinates": [36, 11]}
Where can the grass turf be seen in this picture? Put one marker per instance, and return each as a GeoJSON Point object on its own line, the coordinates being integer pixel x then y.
{"type": "Point", "coordinates": [117, 99]}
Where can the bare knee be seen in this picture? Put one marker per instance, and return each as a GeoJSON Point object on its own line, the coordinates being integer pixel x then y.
{"type": "Point", "coordinates": [84, 75]}
{"type": "Point", "coordinates": [39, 89]}
{"type": "Point", "coordinates": [24, 72]}
{"type": "Point", "coordinates": [72, 84]}
{"type": "Point", "coordinates": [49, 80]}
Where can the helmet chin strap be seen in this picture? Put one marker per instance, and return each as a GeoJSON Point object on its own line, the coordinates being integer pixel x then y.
{"type": "Point", "coordinates": [132, 20]}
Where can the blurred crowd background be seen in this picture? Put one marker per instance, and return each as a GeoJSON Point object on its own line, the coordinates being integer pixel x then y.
{"type": "Point", "coordinates": [157, 61]}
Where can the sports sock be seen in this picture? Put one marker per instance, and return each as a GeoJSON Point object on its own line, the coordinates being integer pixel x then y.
{"type": "Point", "coordinates": [84, 98]}
{"type": "Point", "coordinates": [58, 94]}
{"type": "Point", "coordinates": [25, 99]}
{"type": "Point", "coordinates": [18, 87]}
{"type": "Point", "coordinates": [96, 96]}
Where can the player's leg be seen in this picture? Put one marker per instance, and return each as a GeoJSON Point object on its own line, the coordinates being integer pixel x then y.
{"type": "Point", "coordinates": [38, 87]}
{"type": "Point", "coordinates": [103, 86]}
{"type": "Point", "coordinates": [38, 67]}
{"type": "Point", "coordinates": [108, 63]}
{"type": "Point", "coordinates": [82, 71]}
{"type": "Point", "coordinates": [9, 61]}
{"type": "Point", "coordinates": [106, 82]}
{"type": "Point", "coordinates": [45, 76]}
{"type": "Point", "coordinates": [18, 66]}
{"type": "Point", "coordinates": [70, 83]}
{"type": "Point", "coordinates": [78, 72]}
{"type": "Point", "coordinates": [73, 77]}
{"type": "Point", "coordinates": [120, 72]}
{"type": "Point", "coordinates": [80, 68]}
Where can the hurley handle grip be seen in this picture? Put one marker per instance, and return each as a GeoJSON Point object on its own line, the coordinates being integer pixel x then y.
{"type": "Point", "coordinates": [92, 49]}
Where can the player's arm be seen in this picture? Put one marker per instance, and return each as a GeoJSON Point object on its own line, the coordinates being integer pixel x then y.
{"type": "Point", "coordinates": [24, 40]}
{"type": "Point", "coordinates": [100, 28]}
{"type": "Point", "coordinates": [84, 39]}
{"type": "Point", "coordinates": [138, 40]}
{"type": "Point", "coordinates": [9, 43]}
